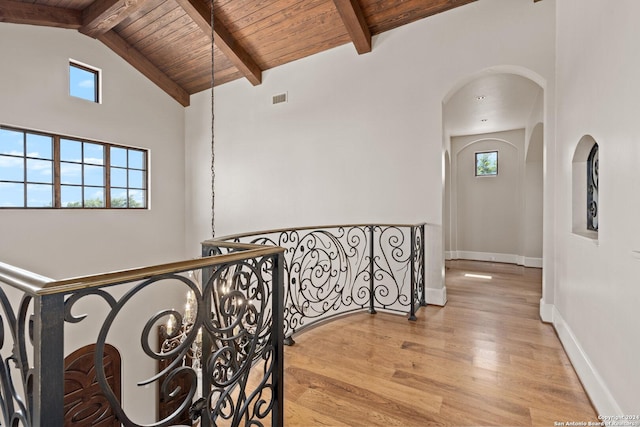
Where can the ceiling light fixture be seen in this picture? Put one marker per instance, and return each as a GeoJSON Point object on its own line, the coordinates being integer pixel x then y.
{"type": "Point", "coordinates": [480, 97]}
{"type": "Point", "coordinates": [484, 120]}
{"type": "Point", "coordinates": [478, 276]}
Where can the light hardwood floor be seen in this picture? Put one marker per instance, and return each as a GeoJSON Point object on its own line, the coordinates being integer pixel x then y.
{"type": "Point", "coordinates": [484, 359]}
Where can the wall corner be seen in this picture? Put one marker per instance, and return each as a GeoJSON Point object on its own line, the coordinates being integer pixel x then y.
{"type": "Point", "coordinates": [546, 311]}
{"type": "Point", "coordinates": [437, 296]}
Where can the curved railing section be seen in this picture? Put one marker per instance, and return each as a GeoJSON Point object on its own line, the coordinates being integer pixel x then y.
{"type": "Point", "coordinates": [333, 270]}
{"type": "Point", "coordinates": [219, 361]}
{"type": "Point", "coordinates": [223, 365]}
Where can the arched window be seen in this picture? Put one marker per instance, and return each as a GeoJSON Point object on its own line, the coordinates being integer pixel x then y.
{"type": "Point", "coordinates": [592, 189]}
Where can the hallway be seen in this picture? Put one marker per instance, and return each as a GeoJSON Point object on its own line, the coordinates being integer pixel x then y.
{"type": "Point", "coordinates": [484, 359]}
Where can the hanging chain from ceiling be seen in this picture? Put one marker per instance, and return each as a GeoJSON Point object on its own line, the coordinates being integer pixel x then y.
{"type": "Point", "coordinates": [213, 153]}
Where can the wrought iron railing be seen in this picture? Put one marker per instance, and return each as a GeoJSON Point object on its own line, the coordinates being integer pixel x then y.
{"type": "Point", "coordinates": [222, 362]}
{"type": "Point", "coordinates": [237, 324]}
{"type": "Point", "coordinates": [334, 270]}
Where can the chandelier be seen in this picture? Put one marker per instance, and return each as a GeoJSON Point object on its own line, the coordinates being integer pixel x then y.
{"type": "Point", "coordinates": [173, 335]}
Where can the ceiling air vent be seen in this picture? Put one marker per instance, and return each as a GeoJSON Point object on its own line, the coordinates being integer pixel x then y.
{"type": "Point", "coordinates": [280, 98]}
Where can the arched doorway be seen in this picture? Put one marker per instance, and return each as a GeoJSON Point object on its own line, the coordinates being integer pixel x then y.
{"type": "Point", "coordinates": [493, 101]}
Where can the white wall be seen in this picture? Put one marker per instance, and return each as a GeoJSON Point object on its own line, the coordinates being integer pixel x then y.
{"type": "Point", "coordinates": [535, 118]}
{"type": "Point", "coordinates": [134, 112]}
{"type": "Point", "coordinates": [360, 139]}
{"type": "Point", "coordinates": [597, 295]}
{"type": "Point", "coordinates": [67, 243]}
{"type": "Point", "coordinates": [534, 202]}
{"type": "Point", "coordinates": [489, 211]}
{"type": "Point", "coordinates": [198, 172]}
{"type": "Point", "coordinates": [532, 223]}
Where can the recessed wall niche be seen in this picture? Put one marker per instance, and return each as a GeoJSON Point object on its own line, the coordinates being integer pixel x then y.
{"type": "Point", "coordinates": [585, 203]}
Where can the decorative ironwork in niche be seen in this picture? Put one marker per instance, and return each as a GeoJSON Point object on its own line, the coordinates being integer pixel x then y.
{"type": "Point", "coordinates": [592, 189]}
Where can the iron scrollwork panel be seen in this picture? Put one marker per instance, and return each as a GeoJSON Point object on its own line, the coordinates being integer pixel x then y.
{"type": "Point", "coordinates": [240, 337]}
{"type": "Point", "coordinates": [326, 272]}
{"type": "Point", "coordinates": [392, 267]}
{"type": "Point", "coordinates": [334, 270]}
{"type": "Point", "coordinates": [215, 348]}
{"type": "Point", "coordinates": [16, 394]}
{"type": "Point", "coordinates": [176, 354]}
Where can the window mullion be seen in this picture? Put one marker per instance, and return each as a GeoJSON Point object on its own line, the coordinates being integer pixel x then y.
{"type": "Point", "coordinates": [57, 186]}
{"type": "Point", "coordinates": [24, 165]}
{"type": "Point", "coordinates": [82, 165]}
{"type": "Point", "coordinates": [107, 176]}
{"type": "Point", "coordinates": [145, 184]}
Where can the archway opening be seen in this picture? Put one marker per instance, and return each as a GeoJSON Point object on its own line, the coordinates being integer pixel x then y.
{"type": "Point", "coordinates": [497, 216]}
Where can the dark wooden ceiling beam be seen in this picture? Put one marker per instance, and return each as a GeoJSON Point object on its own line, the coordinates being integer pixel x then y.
{"type": "Point", "coordinates": [199, 11]}
{"type": "Point", "coordinates": [102, 15]}
{"type": "Point", "coordinates": [120, 46]}
{"type": "Point", "coordinates": [356, 25]}
{"type": "Point", "coordinates": [235, 53]}
{"type": "Point", "coordinates": [32, 14]}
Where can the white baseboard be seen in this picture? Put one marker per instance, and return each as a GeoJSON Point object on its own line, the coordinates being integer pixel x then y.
{"type": "Point", "coordinates": [593, 383]}
{"type": "Point", "coordinates": [532, 262]}
{"type": "Point", "coordinates": [436, 296]}
{"type": "Point", "coordinates": [495, 257]}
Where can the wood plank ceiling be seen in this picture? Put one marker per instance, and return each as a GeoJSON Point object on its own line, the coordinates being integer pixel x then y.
{"type": "Point", "coordinates": [169, 41]}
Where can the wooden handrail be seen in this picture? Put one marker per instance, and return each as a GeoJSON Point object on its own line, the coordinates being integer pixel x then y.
{"type": "Point", "coordinates": [34, 284]}
{"type": "Point", "coordinates": [26, 281]}
{"type": "Point", "coordinates": [316, 227]}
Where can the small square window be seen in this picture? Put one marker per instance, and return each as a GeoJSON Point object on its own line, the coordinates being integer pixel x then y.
{"type": "Point", "coordinates": [84, 82]}
{"type": "Point", "coordinates": [487, 163]}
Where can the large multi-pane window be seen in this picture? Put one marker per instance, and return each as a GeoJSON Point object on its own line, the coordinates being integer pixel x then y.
{"type": "Point", "coordinates": [39, 170]}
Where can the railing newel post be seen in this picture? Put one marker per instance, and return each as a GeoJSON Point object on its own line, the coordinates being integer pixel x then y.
{"type": "Point", "coordinates": [205, 386]}
{"type": "Point", "coordinates": [423, 298]}
{"type": "Point", "coordinates": [372, 308]}
{"type": "Point", "coordinates": [277, 331]}
{"type": "Point", "coordinates": [412, 314]}
{"type": "Point", "coordinates": [48, 364]}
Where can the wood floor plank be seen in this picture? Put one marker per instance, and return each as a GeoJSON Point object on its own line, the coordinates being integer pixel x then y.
{"type": "Point", "coordinates": [303, 416]}
{"type": "Point", "coordinates": [340, 403]}
{"type": "Point", "coordinates": [483, 359]}
{"type": "Point", "coordinates": [393, 390]}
